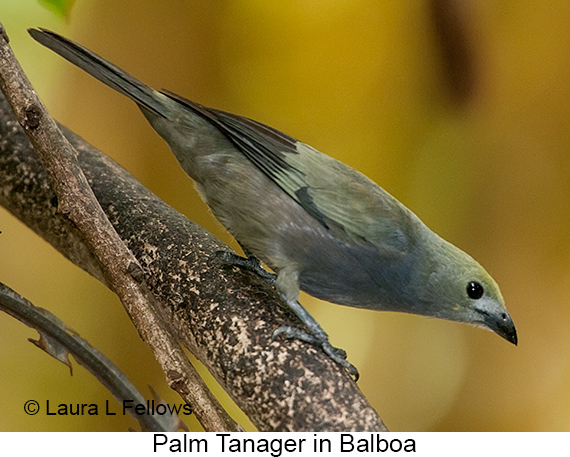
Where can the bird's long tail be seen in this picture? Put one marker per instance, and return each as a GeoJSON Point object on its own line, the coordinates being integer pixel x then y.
{"type": "Point", "coordinates": [103, 70]}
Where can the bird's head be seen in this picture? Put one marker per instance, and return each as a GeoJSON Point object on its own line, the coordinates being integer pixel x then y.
{"type": "Point", "coordinates": [457, 288]}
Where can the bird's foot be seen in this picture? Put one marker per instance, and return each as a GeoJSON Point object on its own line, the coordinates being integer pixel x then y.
{"type": "Point", "coordinates": [336, 354]}
{"type": "Point", "coordinates": [316, 336]}
{"type": "Point", "coordinates": [250, 262]}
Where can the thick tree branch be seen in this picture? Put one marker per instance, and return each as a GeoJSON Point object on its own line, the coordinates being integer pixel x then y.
{"type": "Point", "coordinates": [225, 316]}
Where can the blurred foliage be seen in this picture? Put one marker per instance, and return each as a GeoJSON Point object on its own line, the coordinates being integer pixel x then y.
{"type": "Point", "coordinates": [60, 7]}
{"type": "Point", "coordinates": [458, 108]}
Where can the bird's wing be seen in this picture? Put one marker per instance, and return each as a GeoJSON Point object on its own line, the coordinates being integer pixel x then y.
{"type": "Point", "coordinates": [351, 206]}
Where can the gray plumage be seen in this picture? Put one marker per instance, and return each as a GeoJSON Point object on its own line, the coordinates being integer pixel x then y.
{"type": "Point", "coordinates": [322, 226]}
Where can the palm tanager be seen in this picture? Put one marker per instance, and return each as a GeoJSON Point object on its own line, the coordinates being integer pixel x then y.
{"type": "Point", "coordinates": [322, 226]}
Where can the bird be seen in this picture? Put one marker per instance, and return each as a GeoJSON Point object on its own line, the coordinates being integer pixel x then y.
{"type": "Point", "coordinates": [320, 225]}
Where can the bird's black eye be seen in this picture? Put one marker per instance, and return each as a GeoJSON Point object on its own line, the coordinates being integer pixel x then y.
{"type": "Point", "coordinates": [475, 290]}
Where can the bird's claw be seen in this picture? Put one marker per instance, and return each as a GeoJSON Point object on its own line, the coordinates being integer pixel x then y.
{"type": "Point", "coordinates": [250, 262]}
{"type": "Point", "coordinates": [336, 354]}
{"type": "Point", "coordinates": [318, 338]}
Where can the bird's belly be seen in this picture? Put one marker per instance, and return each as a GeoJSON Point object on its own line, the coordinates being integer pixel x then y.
{"type": "Point", "coordinates": [352, 277]}
{"type": "Point", "coordinates": [271, 225]}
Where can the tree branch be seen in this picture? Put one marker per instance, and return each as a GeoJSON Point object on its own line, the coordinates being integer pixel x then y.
{"type": "Point", "coordinates": [225, 316]}
{"type": "Point", "coordinates": [120, 268]}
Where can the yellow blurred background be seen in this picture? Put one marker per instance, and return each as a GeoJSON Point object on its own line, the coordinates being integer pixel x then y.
{"type": "Point", "coordinates": [460, 109]}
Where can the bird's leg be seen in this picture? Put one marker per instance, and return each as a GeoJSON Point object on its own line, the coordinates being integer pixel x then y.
{"type": "Point", "coordinates": [316, 336]}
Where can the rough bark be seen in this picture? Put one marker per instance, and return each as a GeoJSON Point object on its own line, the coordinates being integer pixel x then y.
{"type": "Point", "coordinates": [224, 315]}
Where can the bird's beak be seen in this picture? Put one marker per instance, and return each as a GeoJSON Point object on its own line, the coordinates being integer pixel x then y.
{"type": "Point", "coordinates": [503, 325]}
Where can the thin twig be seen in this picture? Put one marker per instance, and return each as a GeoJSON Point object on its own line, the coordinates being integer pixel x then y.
{"type": "Point", "coordinates": [59, 341]}
{"type": "Point", "coordinates": [121, 269]}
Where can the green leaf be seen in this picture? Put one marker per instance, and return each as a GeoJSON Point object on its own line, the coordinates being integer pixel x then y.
{"type": "Point", "coordinates": [60, 7]}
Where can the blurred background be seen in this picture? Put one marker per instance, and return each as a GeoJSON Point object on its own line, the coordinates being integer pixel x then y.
{"type": "Point", "coordinates": [460, 109]}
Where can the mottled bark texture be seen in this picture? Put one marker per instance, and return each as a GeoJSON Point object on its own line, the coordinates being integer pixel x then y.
{"type": "Point", "coordinates": [224, 315]}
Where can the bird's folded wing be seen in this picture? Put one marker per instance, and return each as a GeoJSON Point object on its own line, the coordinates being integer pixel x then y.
{"type": "Point", "coordinates": [352, 207]}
